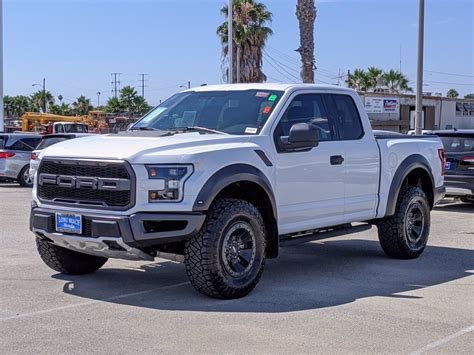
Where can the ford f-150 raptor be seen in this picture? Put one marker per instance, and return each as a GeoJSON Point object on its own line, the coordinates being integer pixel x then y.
{"type": "Point", "coordinates": [218, 176]}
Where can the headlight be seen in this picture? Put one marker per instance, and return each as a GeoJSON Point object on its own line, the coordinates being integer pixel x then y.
{"type": "Point", "coordinates": [173, 177]}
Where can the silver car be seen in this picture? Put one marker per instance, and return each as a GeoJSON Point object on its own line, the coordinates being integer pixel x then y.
{"type": "Point", "coordinates": [47, 141]}
{"type": "Point", "coordinates": [15, 154]}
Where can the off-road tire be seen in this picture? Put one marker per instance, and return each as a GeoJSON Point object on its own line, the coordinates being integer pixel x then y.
{"type": "Point", "coordinates": [23, 179]}
{"type": "Point", "coordinates": [205, 265]}
{"type": "Point", "coordinates": [67, 261]}
{"type": "Point", "coordinates": [394, 231]}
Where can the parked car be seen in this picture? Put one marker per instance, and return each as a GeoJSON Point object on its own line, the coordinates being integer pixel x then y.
{"type": "Point", "coordinates": [15, 153]}
{"type": "Point", "coordinates": [459, 148]}
{"type": "Point", "coordinates": [47, 141]}
{"type": "Point", "coordinates": [217, 176]}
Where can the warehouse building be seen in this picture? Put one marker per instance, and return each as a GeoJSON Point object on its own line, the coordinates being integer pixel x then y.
{"type": "Point", "coordinates": [396, 112]}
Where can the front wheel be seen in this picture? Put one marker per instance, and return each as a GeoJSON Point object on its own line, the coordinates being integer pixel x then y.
{"type": "Point", "coordinates": [226, 258]}
{"type": "Point", "coordinates": [405, 234]}
{"type": "Point", "coordinates": [24, 178]}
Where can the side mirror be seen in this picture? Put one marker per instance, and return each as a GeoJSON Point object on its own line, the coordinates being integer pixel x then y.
{"type": "Point", "coordinates": [303, 136]}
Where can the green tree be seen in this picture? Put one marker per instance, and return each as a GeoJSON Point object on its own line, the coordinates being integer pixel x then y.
{"type": "Point", "coordinates": [396, 82]}
{"type": "Point", "coordinates": [16, 106]}
{"type": "Point", "coordinates": [42, 100]}
{"type": "Point", "coordinates": [250, 34]}
{"type": "Point", "coordinates": [128, 96]}
{"type": "Point", "coordinates": [359, 80]}
{"type": "Point", "coordinates": [452, 93]}
{"type": "Point", "coordinates": [82, 105]}
{"type": "Point", "coordinates": [306, 15]}
{"type": "Point", "coordinates": [114, 105]}
{"type": "Point", "coordinates": [374, 77]}
{"type": "Point", "coordinates": [141, 106]}
{"type": "Point", "coordinates": [64, 109]}
{"type": "Point", "coordinates": [469, 96]}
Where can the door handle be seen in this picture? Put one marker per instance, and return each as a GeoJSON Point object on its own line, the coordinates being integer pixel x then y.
{"type": "Point", "coordinates": [337, 159]}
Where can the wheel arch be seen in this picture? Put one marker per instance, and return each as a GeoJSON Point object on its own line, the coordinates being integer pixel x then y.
{"type": "Point", "coordinates": [248, 183]}
{"type": "Point", "coordinates": [413, 171]}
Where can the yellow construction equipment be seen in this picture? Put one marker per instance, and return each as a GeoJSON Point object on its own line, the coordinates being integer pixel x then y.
{"type": "Point", "coordinates": [34, 121]}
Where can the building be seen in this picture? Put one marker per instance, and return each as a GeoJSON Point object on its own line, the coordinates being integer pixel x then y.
{"type": "Point", "coordinates": [396, 112]}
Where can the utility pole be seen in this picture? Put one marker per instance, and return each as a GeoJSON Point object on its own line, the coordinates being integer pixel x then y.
{"type": "Point", "coordinates": [143, 84]}
{"type": "Point", "coordinates": [115, 82]}
{"type": "Point", "coordinates": [230, 42]}
{"type": "Point", "coordinates": [2, 121]}
{"type": "Point", "coordinates": [98, 98]}
{"type": "Point", "coordinates": [419, 74]}
{"type": "Point", "coordinates": [189, 85]}
{"type": "Point", "coordinates": [44, 95]}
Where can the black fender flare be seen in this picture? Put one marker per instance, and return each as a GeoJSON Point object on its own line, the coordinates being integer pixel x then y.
{"type": "Point", "coordinates": [409, 164]}
{"type": "Point", "coordinates": [237, 173]}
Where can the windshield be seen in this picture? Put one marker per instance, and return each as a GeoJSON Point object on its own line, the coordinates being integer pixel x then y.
{"type": "Point", "coordinates": [46, 142]}
{"type": "Point", "coordinates": [458, 144]}
{"type": "Point", "coordinates": [74, 128]}
{"type": "Point", "coordinates": [232, 112]}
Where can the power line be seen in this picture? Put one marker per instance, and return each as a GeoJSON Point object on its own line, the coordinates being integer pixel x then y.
{"type": "Point", "coordinates": [115, 82]}
{"type": "Point", "coordinates": [271, 59]}
{"type": "Point", "coordinates": [443, 82]}
{"type": "Point", "coordinates": [278, 70]}
{"type": "Point", "coordinates": [453, 74]}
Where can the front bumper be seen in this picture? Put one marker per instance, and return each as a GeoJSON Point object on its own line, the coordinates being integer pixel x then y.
{"type": "Point", "coordinates": [459, 185]}
{"type": "Point", "coordinates": [118, 236]}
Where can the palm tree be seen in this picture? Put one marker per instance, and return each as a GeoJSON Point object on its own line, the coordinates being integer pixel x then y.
{"type": "Point", "coordinates": [396, 81]}
{"type": "Point", "coordinates": [82, 105]}
{"type": "Point", "coordinates": [306, 14]}
{"type": "Point", "coordinates": [128, 95]}
{"type": "Point", "coordinates": [250, 34]}
{"type": "Point", "coordinates": [42, 99]}
{"type": "Point", "coordinates": [114, 105]}
{"type": "Point", "coordinates": [359, 80]}
{"type": "Point", "coordinates": [63, 109]}
{"type": "Point", "coordinates": [374, 77]}
{"type": "Point", "coordinates": [452, 93]}
{"type": "Point", "coordinates": [22, 104]}
{"type": "Point", "coordinates": [141, 106]}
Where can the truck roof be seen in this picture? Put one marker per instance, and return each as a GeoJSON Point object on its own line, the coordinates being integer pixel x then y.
{"type": "Point", "coordinates": [269, 87]}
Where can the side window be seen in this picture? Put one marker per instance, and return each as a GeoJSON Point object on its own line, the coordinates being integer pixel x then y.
{"type": "Point", "coordinates": [25, 144]}
{"type": "Point", "coordinates": [347, 117]}
{"type": "Point", "coordinates": [306, 108]}
{"type": "Point", "coordinates": [59, 128]}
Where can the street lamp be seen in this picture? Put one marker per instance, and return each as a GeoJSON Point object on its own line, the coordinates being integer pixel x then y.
{"type": "Point", "coordinates": [186, 87]}
{"type": "Point", "coordinates": [44, 94]}
{"type": "Point", "coordinates": [98, 98]}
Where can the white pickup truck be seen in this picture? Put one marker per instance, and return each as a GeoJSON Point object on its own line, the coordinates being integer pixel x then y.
{"type": "Point", "coordinates": [219, 176]}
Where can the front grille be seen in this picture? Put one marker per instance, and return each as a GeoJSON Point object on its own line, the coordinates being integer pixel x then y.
{"type": "Point", "coordinates": [86, 196]}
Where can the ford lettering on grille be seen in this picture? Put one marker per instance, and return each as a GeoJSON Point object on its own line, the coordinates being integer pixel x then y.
{"type": "Point", "coordinates": [78, 182]}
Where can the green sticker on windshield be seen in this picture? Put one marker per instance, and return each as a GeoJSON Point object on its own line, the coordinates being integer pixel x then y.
{"type": "Point", "coordinates": [272, 98]}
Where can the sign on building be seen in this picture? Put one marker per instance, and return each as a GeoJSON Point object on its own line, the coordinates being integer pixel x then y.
{"type": "Point", "coordinates": [382, 105]}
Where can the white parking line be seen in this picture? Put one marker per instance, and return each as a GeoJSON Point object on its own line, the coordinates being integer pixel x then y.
{"type": "Point", "coordinates": [444, 340]}
{"type": "Point", "coordinates": [113, 298]}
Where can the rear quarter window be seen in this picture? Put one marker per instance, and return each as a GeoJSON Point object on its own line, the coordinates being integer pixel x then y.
{"type": "Point", "coordinates": [347, 117]}
{"type": "Point", "coordinates": [24, 144]}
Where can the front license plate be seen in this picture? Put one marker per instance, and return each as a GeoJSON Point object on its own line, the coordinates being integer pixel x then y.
{"type": "Point", "coordinates": [69, 223]}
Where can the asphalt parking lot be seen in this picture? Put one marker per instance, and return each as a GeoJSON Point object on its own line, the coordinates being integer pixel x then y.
{"type": "Point", "coordinates": [336, 295]}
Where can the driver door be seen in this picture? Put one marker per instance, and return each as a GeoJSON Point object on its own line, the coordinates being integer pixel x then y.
{"type": "Point", "coordinates": [310, 187]}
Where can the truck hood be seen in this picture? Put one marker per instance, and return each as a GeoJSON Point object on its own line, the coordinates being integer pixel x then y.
{"type": "Point", "coordinates": [137, 146]}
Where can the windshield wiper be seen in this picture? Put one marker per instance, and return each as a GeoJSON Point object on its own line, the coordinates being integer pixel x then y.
{"type": "Point", "coordinates": [195, 129]}
{"type": "Point", "coordinates": [145, 128]}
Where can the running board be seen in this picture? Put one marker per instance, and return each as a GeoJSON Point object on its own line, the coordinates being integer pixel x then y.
{"type": "Point", "coordinates": [337, 231]}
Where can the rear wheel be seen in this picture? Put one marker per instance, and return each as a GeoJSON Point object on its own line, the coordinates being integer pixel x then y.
{"type": "Point", "coordinates": [24, 178]}
{"type": "Point", "coordinates": [67, 261]}
{"type": "Point", "coordinates": [405, 234]}
{"type": "Point", "coordinates": [226, 258]}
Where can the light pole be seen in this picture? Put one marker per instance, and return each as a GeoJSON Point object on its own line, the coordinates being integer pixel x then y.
{"type": "Point", "coordinates": [230, 41]}
{"type": "Point", "coordinates": [419, 74]}
{"type": "Point", "coordinates": [186, 87]}
{"type": "Point", "coordinates": [1, 67]}
{"type": "Point", "coordinates": [43, 103]}
{"type": "Point", "coordinates": [98, 98]}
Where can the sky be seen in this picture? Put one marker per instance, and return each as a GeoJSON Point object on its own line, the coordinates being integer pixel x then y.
{"type": "Point", "coordinates": [77, 44]}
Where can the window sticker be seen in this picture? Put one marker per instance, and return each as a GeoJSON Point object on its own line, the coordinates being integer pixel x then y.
{"type": "Point", "coordinates": [272, 98]}
{"type": "Point", "coordinates": [250, 130]}
{"type": "Point", "coordinates": [267, 110]}
{"type": "Point", "coordinates": [262, 94]}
